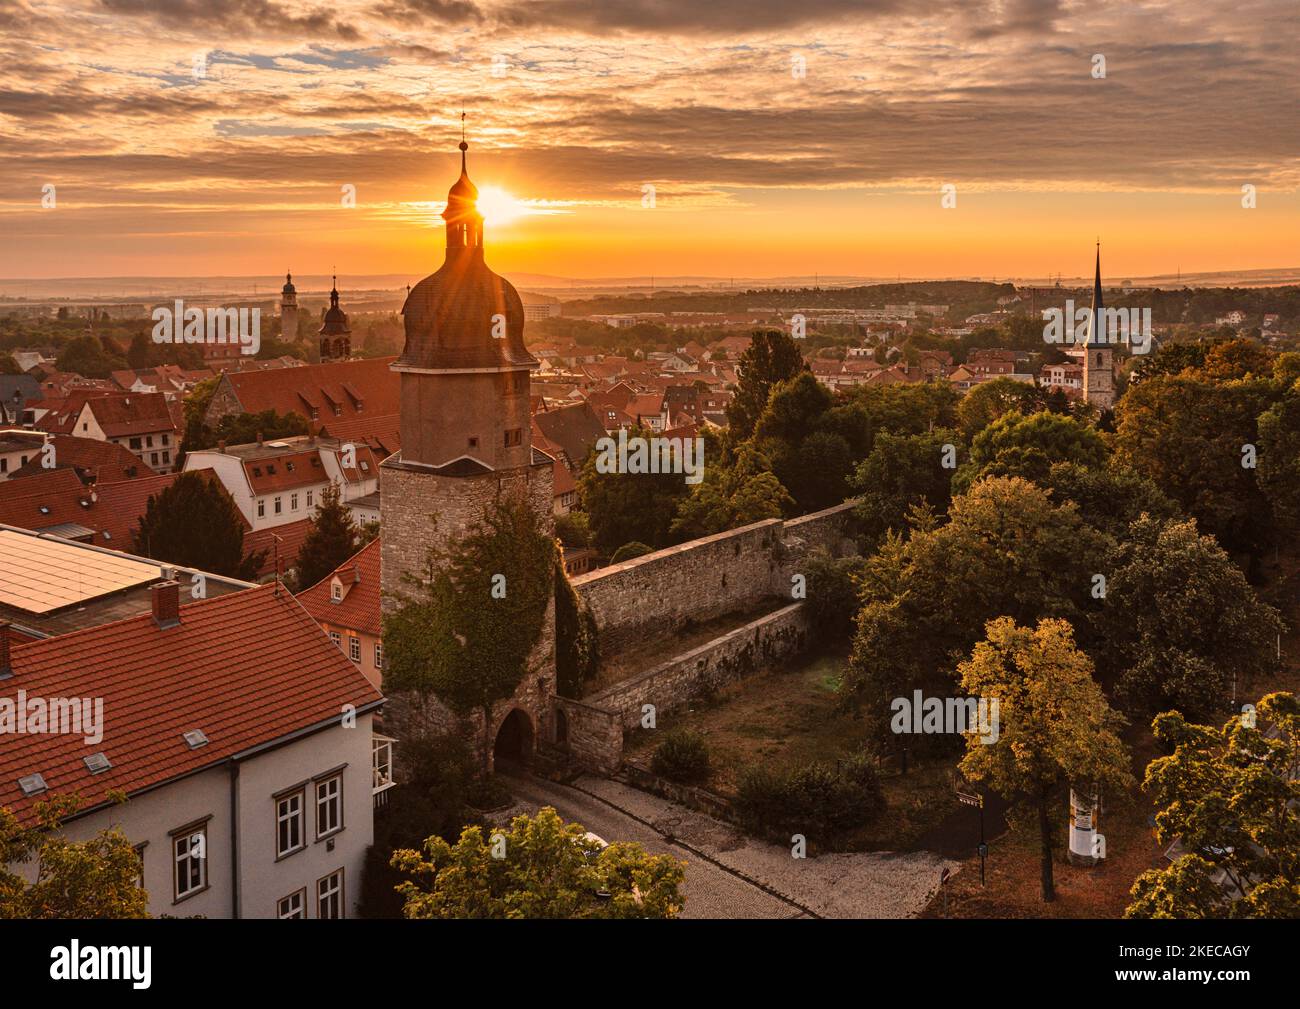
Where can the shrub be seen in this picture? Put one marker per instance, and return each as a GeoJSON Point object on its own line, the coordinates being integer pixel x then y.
{"type": "Point", "coordinates": [817, 800]}
{"type": "Point", "coordinates": [577, 651]}
{"type": "Point", "coordinates": [630, 551]}
{"type": "Point", "coordinates": [682, 756]}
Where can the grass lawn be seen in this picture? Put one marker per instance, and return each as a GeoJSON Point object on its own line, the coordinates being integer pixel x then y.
{"type": "Point", "coordinates": [788, 716]}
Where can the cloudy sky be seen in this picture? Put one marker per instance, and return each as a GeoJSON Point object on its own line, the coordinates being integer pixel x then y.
{"type": "Point", "coordinates": [200, 137]}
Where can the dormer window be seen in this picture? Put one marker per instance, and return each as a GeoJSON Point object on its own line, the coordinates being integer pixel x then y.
{"type": "Point", "coordinates": [336, 591]}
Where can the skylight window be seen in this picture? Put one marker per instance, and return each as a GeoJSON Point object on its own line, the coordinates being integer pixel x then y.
{"type": "Point", "coordinates": [97, 762]}
{"type": "Point", "coordinates": [32, 784]}
{"type": "Point", "coordinates": [195, 738]}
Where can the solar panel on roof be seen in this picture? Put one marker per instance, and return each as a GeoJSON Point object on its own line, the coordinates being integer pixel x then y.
{"type": "Point", "coordinates": [43, 575]}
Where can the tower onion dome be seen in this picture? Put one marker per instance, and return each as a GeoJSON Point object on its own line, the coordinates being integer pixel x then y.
{"type": "Point", "coordinates": [288, 285]}
{"type": "Point", "coordinates": [464, 317]}
{"type": "Point", "coordinates": [336, 320]}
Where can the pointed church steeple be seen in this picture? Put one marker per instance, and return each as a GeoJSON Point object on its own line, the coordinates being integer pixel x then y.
{"type": "Point", "coordinates": [1096, 337]}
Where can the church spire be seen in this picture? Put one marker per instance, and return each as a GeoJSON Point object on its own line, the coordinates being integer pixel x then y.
{"type": "Point", "coordinates": [1095, 336]}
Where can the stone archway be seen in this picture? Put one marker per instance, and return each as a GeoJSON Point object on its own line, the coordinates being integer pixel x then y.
{"type": "Point", "coordinates": [514, 742]}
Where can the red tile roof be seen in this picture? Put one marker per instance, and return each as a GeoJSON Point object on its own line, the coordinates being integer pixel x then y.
{"type": "Point", "coordinates": [292, 535]}
{"type": "Point", "coordinates": [358, 610]}
{"type": "Point", "coordinates": [127, 414]}
{"type": "Point", "coordinates": [246, 668]}
{"type": "Point", "coordinates": [92, 459]}
{"type": "Point", "coordinates": [374, 390]}
{"type": "Point", "coordinates": [284, 472]}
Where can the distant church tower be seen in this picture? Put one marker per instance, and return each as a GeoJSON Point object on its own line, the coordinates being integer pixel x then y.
{"type": "Point", "coordinates": [288, 310]}
{"type": "Point", "coordinates": [466, 443]}
{"type": "Point", "coordinates": [335, 335]}
{"type": "Point", "coordinates": [1098, 357]}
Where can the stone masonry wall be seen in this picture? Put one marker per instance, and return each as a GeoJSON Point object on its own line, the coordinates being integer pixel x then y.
{"type": "Point", "coordinates": [703, 670]}
{"type": "Point", "coordinates": [706, 578]}
{"type": "Point", "coordinates": [594, 735]}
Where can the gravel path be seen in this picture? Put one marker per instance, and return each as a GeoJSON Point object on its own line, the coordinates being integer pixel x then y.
{"type": "Point", "coordinates": [731, 876]}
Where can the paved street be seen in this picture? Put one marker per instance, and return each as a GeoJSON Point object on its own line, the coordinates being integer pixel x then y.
{"type": "Point", "coordinates": [731, 876]}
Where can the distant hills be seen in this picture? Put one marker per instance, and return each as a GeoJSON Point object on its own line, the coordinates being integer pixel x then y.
{"type": "Point", "coordinates": [108, 289]}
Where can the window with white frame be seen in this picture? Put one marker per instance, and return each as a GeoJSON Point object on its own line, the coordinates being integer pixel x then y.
{"type": "Point", "coordinates": [190, 850]}
{"type": "Point", "coordinates": [329, 805]}
{"type": "Point", "coordinates": [329, 895]}
{"type": "Point", "coordinates": [309, 496]}
{"type": "Point", "coordinates": [261, 507]}
{"type": "Point", "coordinates": [336, 591]}
{"type": "Point", "coordinates": [293, 502]}
{"type": "Point", "coordinates": [278, 506]}
{"type": "Point", "coordinates": [381, 749]}
{"type": "Point", "coordinates": [354, 648]}
{"type": "Point", "coordinates": [379, 655]}
{"type": "Point", "coordinates": [290, 825]}
{"type": "Point", "coordinates": [292, 906]}
{"type": "Point", "coordinates": [337, 638]}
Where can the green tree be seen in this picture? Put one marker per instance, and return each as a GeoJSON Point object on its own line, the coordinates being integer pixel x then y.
{"type": "Point", "coordinates": [1169, 359]}
{"type": "Point", "coordinates": [1007, 550]}
{"type": "Point", "coordinates": [8, 366]}
{"type": "Point", "coordinates": [549, 869]}
{"type": "Point", "coordinates": [731, 496]}
{"type": "Point", "coordinates": [86, 356]}
{"type": "Point", "coordinates": [465, 631]}
{"type": "Point", "coordinates": [1233, 797]}
{"type": "Point", "coordinates": [902, 471]}
{"type": "Point", "coordinates": [1027, 446]}
{"type": "Point", "coordinates": [772, 357]}
{"type": "Point", "coordinates": [1279, 457]}
{"type": "Point", "coordinates": [193, 523]}
{"type": "Point", "coordinates": [1190, 437]}
{"type": "Point", "coordinates": [1054, 728]}
{"type": "Point", "coordinates": [1178, 623]}
{"type": "Point", "coordinates": [1109, 498]}
{"type": "Point", "coordinates": [94, 878]}
{"type": "Point", "coordinates": [331, 539]}
{"type": "Point", "coordinates": [623, 507]}
{"type": "Point", "coordinates": [988, 401]}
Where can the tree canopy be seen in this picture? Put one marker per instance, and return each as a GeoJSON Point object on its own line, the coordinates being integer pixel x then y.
{"type": "Point", "coordinates": [193, 523]}
{"type": "Point", "coordinates": [541, 867]}
{"type": "Point", "coordinates": [1232, 797]}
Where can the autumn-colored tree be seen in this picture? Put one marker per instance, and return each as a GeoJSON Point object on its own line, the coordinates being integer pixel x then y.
{"type": "Point", "coordinates": [1232, 797]}
{"type": "Point", "coordinates": [94, 878]}
{"type": "Point", "coordinates": [1054, 726]}
{"type": "Point", "coordinates": [541, 867]}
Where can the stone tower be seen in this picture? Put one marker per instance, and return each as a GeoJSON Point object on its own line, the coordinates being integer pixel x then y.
{"type": "Point", "coordinates": [288, 310]}
{"type": "Point", "coordinates": [335, 334]}
{"type": "Point", "coordinates": [1098, 355]}
{"type": "Point", "coordinates": [466, 444]}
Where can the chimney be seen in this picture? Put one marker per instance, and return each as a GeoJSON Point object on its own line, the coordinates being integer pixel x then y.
{"type": "Point", "coordinates": [6, 667]}
{"type": "Point", "coordinates": [166, 603]}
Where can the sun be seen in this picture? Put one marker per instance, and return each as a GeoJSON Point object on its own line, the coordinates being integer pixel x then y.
{"type": "Point", "coordinates": [497, 206]}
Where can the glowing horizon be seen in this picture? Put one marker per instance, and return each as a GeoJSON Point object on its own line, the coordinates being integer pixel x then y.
{"type": "Point", "coordinates": [201, 140]}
